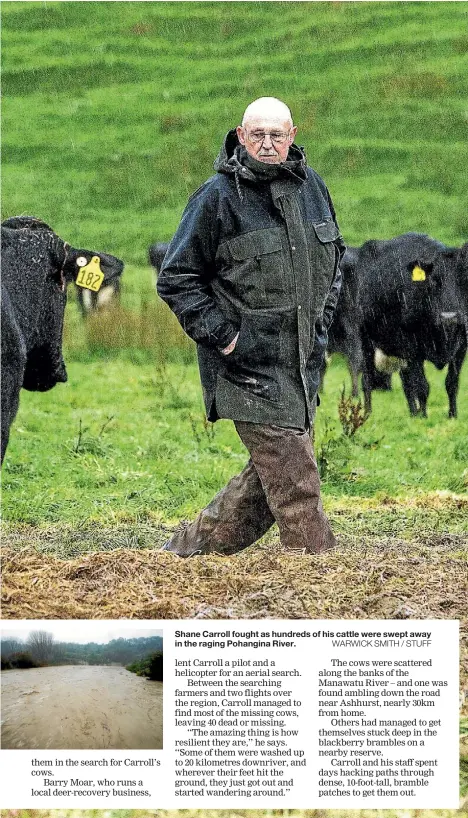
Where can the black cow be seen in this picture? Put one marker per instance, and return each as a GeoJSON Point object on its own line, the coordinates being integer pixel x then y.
{"type": "Point", "coordinates": [157, 253]}
{"type": "Point", "coordinates": [414, 301]}
{"type": "Point", "coordinates": [37, 265]}
{"type": "Point", "coordinates": [344, 335]}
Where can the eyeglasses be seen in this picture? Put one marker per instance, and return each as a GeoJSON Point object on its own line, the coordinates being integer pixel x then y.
{"type": "Point", "coordinates": [277, 137]}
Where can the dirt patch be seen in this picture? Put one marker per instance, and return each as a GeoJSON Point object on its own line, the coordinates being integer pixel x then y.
{"type": "Point", "coordinates": [360, 580]}
{"type": "Point", "coordinates": [80, 707]}
{"type": "Point", "coordinates": [363, 578]}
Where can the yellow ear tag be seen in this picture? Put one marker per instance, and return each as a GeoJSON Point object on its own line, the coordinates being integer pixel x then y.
{"type": "Point", "coordinates": [418, 274]}
{"type": "Point", "coordinates": [91, 276]}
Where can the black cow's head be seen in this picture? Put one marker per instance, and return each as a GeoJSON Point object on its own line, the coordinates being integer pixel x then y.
{"type": "Point", "coordinates": [445, 284]}
{"type": "Point", "coordinates": [44, 265]}
{"type": "Point", "coordinates": [76, 260]}
{"type": "Point", "coordinates": [419, 293]}
{"type": "Point", "coordinates": [443, 289]}
{"type": "Point", "coordinates": [31, 265]}
{"type": "Point", "coordinates": [45, 366]}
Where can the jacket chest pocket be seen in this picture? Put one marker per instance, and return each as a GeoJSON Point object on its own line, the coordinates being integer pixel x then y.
{"type": "Point", "coordinates": [327, 233]}
{"type": "Point", "coordinates": [256, 269]}
{"type": "Point", "coordinates": [323, 256]}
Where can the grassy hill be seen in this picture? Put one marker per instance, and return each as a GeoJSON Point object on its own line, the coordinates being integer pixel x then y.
{"type": "Point", "coordinates": [114, 112]}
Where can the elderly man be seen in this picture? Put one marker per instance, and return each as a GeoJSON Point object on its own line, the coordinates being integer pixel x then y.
{"type": "Point", "coordinates": [253, 276]}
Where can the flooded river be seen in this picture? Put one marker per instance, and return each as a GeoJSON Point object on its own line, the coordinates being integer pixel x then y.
{"type": "Point", "coordinates": [80, 707]}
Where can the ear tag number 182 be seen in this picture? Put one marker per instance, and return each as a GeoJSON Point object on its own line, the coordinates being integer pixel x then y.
{"type": "Point", "coordinates": [90, 276]}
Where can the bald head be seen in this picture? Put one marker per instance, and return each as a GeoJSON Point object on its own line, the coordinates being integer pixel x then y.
{"type": "Point", "coordinates": [267, 107]}
{"type": "Point", "coordinates": [267, 130]}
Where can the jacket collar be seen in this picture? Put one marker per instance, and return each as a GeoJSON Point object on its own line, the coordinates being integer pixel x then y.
{"type": "Point", "coordinates": [234, 159]}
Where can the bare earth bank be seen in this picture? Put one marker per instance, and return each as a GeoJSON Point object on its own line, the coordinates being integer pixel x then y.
{"type": "Point", "coordinates": [80, 707]}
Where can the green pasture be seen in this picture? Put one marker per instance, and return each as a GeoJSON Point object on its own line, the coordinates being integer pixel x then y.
{"type": "Point", "coordinates": [113, 113]}
{"type": "Point", "coordinates": [125, 440]}
{"type": "Point", "coordinates": [112, 116]}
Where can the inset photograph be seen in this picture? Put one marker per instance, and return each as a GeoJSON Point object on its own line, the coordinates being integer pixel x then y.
{"type": "Point", "coordinates": [82, 686]}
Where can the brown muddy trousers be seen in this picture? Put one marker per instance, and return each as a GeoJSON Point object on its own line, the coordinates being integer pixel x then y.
{"type": "Point", "coordinates": [280, 482]}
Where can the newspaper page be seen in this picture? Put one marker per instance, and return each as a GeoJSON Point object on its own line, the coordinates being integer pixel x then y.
{"type": "Point", "coordinates": [234, 409]}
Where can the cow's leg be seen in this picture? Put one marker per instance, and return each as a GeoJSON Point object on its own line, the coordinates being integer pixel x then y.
{"type": "Point", "coordinates": [355, 366]}
{"type": "Point", "coordinates": [13, 366]}
{"type": "Point", "coordinates": [355, 360]}
{"type": "Point", "coordinates": [354, 380]}
{"type": "Point", "coordinates": [415, 387]}
{"type": "Point", "coordinates": [382, 380]}
{"type": "Point", "coordinates": [452, 379]}
{"type": "Point", "coordinates": [367, 372]}
{"type": "Point", "coordinates": [408, 384]}
{"type": "Point", "coordinates": [422, 388]}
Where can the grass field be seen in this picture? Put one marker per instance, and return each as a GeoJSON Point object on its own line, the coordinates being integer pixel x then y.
{"type": "Point", "coordinates": [112, 116]}
{"type": "Point", "coordinates": [122, 454]}
{"type": "Point", "coordinates": [125, 441]}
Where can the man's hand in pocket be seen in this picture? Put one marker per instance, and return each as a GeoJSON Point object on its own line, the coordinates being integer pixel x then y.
{"type": "Point", "coordinates": [227, 350]}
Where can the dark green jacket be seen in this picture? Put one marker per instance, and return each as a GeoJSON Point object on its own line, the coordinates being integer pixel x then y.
{"type": "Point", "coordinates": [257, 251]}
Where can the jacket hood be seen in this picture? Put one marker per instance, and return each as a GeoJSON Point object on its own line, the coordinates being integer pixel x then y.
{"type": "Point", "coordinates": [234, 159]}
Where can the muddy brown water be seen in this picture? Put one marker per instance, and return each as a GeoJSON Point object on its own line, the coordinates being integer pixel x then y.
{"type": "Point", "coordinates": [80, 707]}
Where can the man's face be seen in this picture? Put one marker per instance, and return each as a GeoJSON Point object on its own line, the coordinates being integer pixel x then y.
{"type": "Point", "coordinates": [267, 138]}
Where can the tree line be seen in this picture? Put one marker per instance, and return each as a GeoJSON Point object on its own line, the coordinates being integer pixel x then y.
{"type": "Point", "coordinates": [40, 649]}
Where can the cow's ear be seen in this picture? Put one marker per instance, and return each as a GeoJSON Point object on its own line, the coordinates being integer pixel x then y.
{"type": "Point", "coordinates": [58, 259]}
{"type": "Point", "coordinates": [420, 270]}
{"type": "Point", "coordinates": [84, 268]}
{"type": "Point", "coordinates": [74, 261]}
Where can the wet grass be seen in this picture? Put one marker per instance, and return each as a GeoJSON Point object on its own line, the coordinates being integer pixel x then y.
{"type": "Point", "coordinates": [102, 469]}
{"type": "Point", "coordinates": [112, 117]}
{"type": "Point", "coordinates": [125, 441]}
